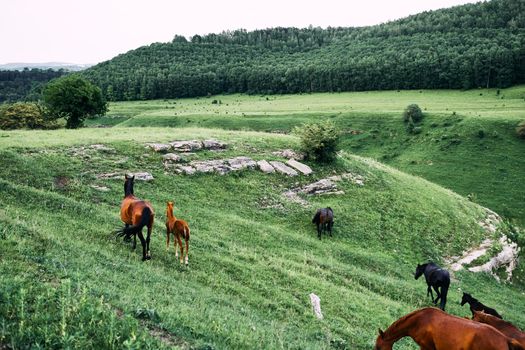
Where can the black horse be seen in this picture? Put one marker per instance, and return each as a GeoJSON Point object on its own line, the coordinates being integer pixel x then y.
{"type": "Point", "coordinates": [324, 219]}
{"type": "Point", "coordinates": [476, 305]}
{"type": "Point", "coordinates": [436, 277]}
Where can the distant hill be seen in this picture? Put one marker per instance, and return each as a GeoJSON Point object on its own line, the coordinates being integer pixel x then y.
{"type": "Point", "coordinates": [46, 65]}
{"type": "Point", "coordinates": [469, 46]}
{"type": "Point", "coordinates": [26, 84]}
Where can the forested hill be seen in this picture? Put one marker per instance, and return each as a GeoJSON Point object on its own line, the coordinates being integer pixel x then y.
{"type": "Point", "coordinates": [475, 45]}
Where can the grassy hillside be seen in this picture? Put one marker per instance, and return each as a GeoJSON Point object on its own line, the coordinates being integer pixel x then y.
{"type": "Point", "coordinates": [467, 142]}
{"type": "Point", "coordinates": [254, 255]}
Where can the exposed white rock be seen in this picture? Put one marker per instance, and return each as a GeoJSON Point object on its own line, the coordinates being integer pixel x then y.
{"type": "Point", "coordinates": [186, 146]}
{"type": "Point", "coordinates": [214, 144]}
{"type": "Point", "coordinates": [316, 305]}
{"type": "Point", "coordinates": [143, 176]}
{"type": "Point", "coordinates": [171, 157]}
{"type": "Point", "coordinates": [238, 163]}
{"type": "Point", "coordinates": [159, 147]}
{"type": "Point", "coordinates": [265, 167]}
{"type": "Point", "coordinates": [283, 168]}
{"type": "Point", "coordinates": [303, 168]}
{"type": "Point", "coordinates": [290, 154]}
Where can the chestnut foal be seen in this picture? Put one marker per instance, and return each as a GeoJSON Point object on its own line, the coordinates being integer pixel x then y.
{"type": "Point", "coordinates": [179, 228]}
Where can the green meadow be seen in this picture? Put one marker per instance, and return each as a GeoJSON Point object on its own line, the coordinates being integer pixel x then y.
{"type": "Point", "coordinates": [65, 282]}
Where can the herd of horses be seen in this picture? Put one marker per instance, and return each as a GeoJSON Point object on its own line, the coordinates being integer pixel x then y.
{"type": "Point", "coordinates": [430, 328]}
{"type": "Point", "coordinates": [137, 214]}
{"type": "Point", "coordinates": [433, 328]}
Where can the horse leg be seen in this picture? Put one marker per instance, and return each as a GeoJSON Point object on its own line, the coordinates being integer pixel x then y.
{"type": "Point", "coordinates": [167, 238]}
{"type": "Point", "coordinates": [181, 248]}
{"type": "Point", "coordinates": [319, 231]}
{"type": "Point", "coordinates": [429, 291]}
{"type": "Point", "coordinates": [143, 242]}
{"type": "Point", "coordinates": [134, 242]}
{"type": "Point", "coordinates": [148, 256]}
{"type": "Point", "coordinates": [438, 294]}
{"type": "Point", "coordinates": [330, 228]}
{"type": "Point", "coordinates": [187, 250]}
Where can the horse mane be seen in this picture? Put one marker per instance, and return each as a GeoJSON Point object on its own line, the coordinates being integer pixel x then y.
{"type": "Point", "coordinates": [406, 317]}
{"type": "Point", "coordinates": [491, 319]}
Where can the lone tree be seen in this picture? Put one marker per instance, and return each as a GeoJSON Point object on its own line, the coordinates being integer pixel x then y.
{"type": "Point", "coordinates": [74, 98]}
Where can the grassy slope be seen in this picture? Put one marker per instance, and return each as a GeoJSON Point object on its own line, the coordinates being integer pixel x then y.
{"type": "Point", "coordinates": [449, 151]}
{"type": "Point", "coordinates": [252, 265]}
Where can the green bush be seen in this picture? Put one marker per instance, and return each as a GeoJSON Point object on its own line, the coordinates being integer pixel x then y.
{"type": "Point", "coordinates": [23, 115]}
{"type": "Point", "coordinates": [412, 114]}
{"type": "Point", "coordinates": [319, 141]}
{"type": "Point", "coordinates": [520, 130]}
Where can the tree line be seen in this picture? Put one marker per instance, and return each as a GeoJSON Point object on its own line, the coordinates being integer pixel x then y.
{"type": "Point", "coordinates": [25, 85]}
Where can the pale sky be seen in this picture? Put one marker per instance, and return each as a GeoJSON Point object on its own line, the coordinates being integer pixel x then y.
{"type": "Point", "coordinates": [93, 31]}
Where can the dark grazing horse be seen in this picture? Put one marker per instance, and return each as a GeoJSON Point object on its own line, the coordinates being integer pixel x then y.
{"type": "Point", "coordinates": [324, 219]}
{"type": "Point", "coordinates": [476, 305]}
{"type": "Point", "coordinates": [136, 214]}
{"type": "Point", "coordinates": [434, 329]}
{"type": "Point", "coordinates": [436, 278]}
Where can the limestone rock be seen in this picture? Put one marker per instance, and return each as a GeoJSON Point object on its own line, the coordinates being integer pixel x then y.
{"type": "Point", "coordinates": [143, 176]}
{"type": "Point", "coordinates": [186, 146]}
{"type": "Point", "coordinates": [316, 305]}
{"type": "Point", "coordinates": [238, 163]}
{"type": "Point", "coordinates": [303, 168]}
{"type": "Point", "coordinates": [283, 169]}
{"type": "Point", "coordinates": [290, 154]}
{"type": "Point", "coordinates": [159, 147]}
{"type": "Point", "coordinates": [213, 144]}
{"type": "Point", "coordinates": [265, 166]}
{"type": "Point", "coordinates": [171, 158]}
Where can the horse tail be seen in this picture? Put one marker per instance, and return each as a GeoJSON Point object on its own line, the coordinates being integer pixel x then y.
{"type": "Point", "coordinates": [127, 232]}
{"type": "Point", "coordinates": [317, 217]}
{"type": "Point", "coordinates": [187, 232]}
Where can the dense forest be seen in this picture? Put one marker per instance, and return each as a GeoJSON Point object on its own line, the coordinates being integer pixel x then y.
{"type": "Point", "coordinates": [25, 85]}
{"type": "Point", "coordinates": [463, 47]}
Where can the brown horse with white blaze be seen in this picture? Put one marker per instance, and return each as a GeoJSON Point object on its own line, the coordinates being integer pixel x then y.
{"type": "Point", "coordinates": [179, 228]}
{"type": "Point", "coordinates": [136, 214]}
{"type": "Point", "coordinates": [434, 329]}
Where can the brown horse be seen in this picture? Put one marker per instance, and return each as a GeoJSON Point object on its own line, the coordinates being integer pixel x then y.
{"type": "Point", "coordinates": [136, 214]}
{"type": "Point", "coordinates": [504, 327]}
{"type": "Point", "coordinates": [324, 219]}
{"type": "Point", "coordinates": [434, 329]}
{"type": "Point", "coordinates": [179, 228]}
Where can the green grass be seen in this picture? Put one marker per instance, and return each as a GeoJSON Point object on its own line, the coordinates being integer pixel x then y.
{"type": "Point", "coordinates": [254, 256]}
{"type": "Point", "coordinates": [448, 151]}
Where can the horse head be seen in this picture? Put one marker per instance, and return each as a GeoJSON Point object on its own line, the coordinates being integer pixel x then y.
{"type": "Point", "coordinates": [466, 298]}
{"type": "Point", "coordinates": [128, 185]}
{"type": "Point", "coordinates": [381, 343]}
{"type": "Point", "coordinates": [420, 269]}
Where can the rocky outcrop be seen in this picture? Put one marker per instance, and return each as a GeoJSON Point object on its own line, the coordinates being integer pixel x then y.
{"type": "Point", "coordinates": [289, 154]}
{"type": "Point", "coordinates": [326, 186]}
{"type": "Point", "coordinates": [507, 257]}
{"type": "Point", "coordinates": [187, 146]}
{"type": "Point", "coordinates": [159, 147]}
{"type": "Point", "coordinates": [283, 169]}
{"type": "Point", "coordinates": [303, 168]}
{"type": "Point", "coordinates": [265, 167]}
{"type": "Point", "coordinates": [140, 176]}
